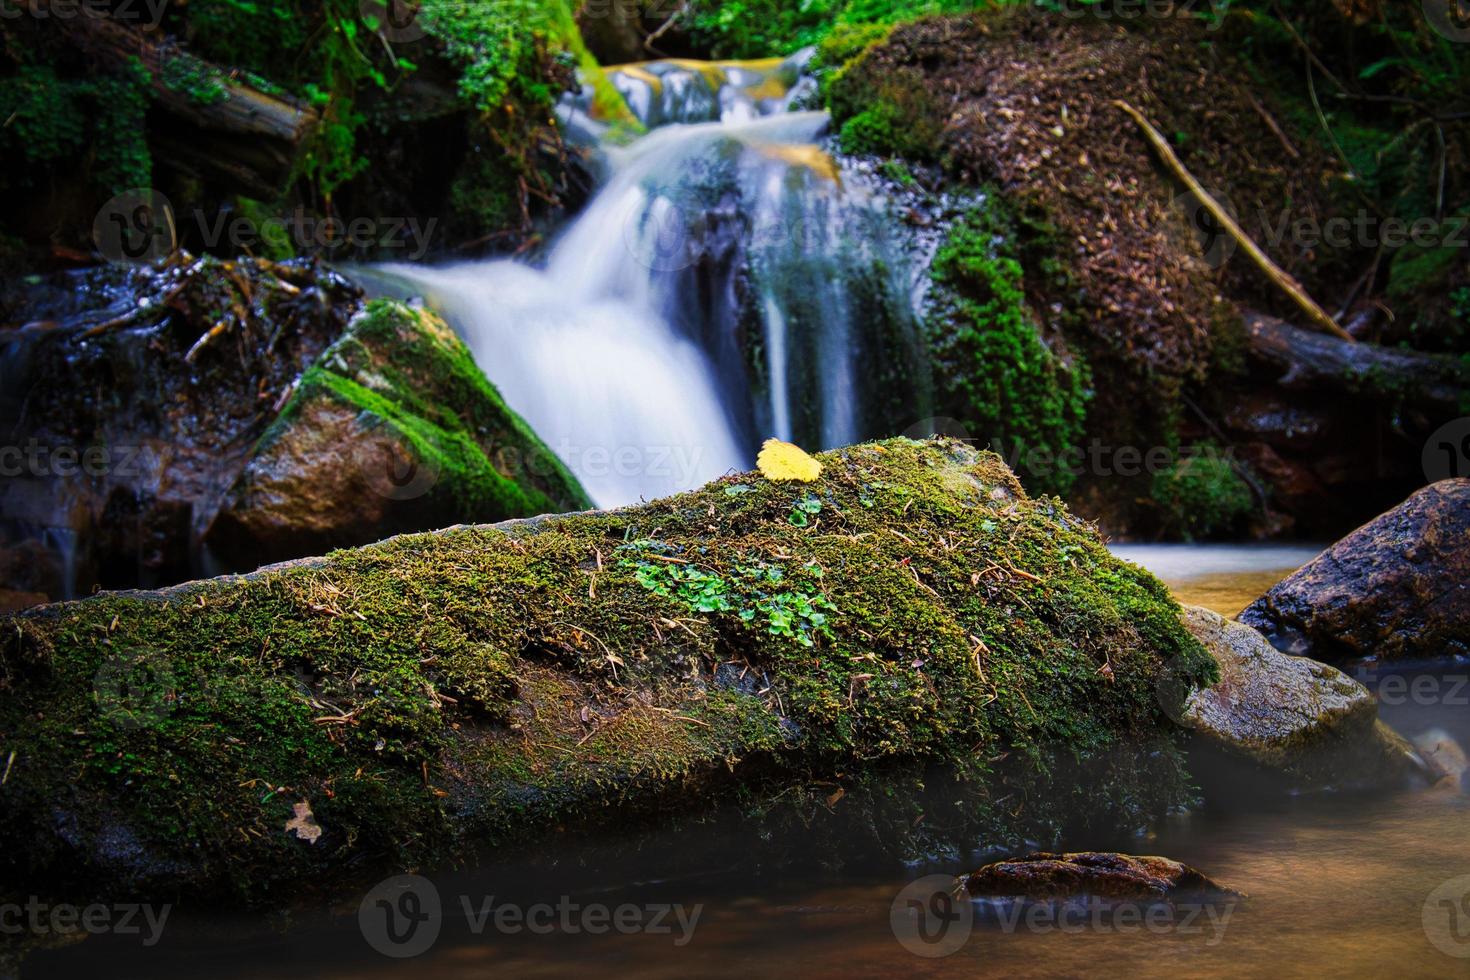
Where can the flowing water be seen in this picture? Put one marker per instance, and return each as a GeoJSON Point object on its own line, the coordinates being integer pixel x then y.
{"type": "Point", "coordinates": [728, 282]}
{"type": "Point", "coordinates": [1347, 884]}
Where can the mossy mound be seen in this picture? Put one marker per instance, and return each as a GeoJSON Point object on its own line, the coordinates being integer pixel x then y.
{"type": "Point", "coordinates": [393, 429]}
{"type": "Point", "coordinates": [487, 683]}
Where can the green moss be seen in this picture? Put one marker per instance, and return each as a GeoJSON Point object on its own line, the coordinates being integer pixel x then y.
{"type": "Point", "coordinates": [408, 372]}
{"type": "Point", "coordinates": [1203, 494]}
{"type": "Point", "coordinates": [275, 240]}
{"type": "Point", "coordinates": [996, 375]}
{"type": "Point", "coordinates": [895, 114]}
{"type": "Point", "coordinates": [492, 682]}
{"type": "Point", "coordinates": [191, 77]}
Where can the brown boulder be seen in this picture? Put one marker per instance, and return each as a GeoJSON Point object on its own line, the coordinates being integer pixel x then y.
{"type": "Point", "coordinates": [1396, 588]}
{"type": "Point", "coordinates": [1099, 875]}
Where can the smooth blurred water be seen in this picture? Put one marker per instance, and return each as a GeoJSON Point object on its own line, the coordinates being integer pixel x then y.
{"type": "Point", "coordinates": [702, 300]}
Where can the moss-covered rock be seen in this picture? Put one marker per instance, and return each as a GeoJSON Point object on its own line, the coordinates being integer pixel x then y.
{"type": "Point", "coordinates": [393, 429]}
{"type": "Point", "coordinates": [913, 606]}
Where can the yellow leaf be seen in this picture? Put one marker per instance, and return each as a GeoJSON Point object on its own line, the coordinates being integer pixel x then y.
{"type": "Point", "coordinates": [782, 461]}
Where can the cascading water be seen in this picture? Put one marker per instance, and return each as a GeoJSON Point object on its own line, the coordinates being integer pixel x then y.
{"type": "Point", "coordinates": [728, 282]}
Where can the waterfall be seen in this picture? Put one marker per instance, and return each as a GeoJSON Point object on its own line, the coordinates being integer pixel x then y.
{"type": "Point", "coordinates": [702, 301]}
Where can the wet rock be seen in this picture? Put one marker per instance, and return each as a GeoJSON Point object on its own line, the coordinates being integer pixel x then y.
{"type": "Point", "coordinates": [1288, 713]}
{"type": "Point", "coordinates": [394, 429]}
{"type": "Point", "coordinates": [1097, 875]}
{"type": "Point", "coordinates": [130, 399]}
{"type": "Point", "coordinates": [1396, 588]}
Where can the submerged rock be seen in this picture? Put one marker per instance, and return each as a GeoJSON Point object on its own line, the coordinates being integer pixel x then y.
{"type": "Point", "coordinates": [394, 429]}
{"type": "Point", "coordinates": [912, 607]}
{"type": "Point", "coordinates": [1445, 758]}
{"type": "Point", "coordinates": [1288, 713]}
{"type": "Point", "coordinates": [1396, 588]}
{"type": "Point", "coordinates": [1105, 876]}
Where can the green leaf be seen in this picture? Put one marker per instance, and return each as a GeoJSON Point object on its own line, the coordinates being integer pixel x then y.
{"type": "Point", "coordinates": [1378, 66]}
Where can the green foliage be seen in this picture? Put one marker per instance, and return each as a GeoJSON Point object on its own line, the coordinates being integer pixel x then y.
{"type": "Point", "coordinates": [1203, 494]}
{"type": "Point", "coordinates": [319, 51]}
{"type": "Point", "coordinates": [997, 377]}
{"type": "Point", "coordinates": [795, 613]}
{"type": "Point", "coordinates": [51, 120]}
{"type": "Point", "coordinates": [1393, 114]}
{"type": "Point", "coordinates": [763, 28]}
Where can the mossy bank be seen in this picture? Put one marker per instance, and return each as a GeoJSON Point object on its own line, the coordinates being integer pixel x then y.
{"type": "Point", "coordinates": [398, 702]}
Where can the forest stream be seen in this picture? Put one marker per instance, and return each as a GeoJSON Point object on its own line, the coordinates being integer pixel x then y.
{"type": "Point", "coordinates": [848, 488]}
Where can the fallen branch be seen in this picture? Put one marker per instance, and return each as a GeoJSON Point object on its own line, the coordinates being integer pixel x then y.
{"type": "Point", "coordinates": [1275, 273]}
{"type": "Point", "coordinates": [1304, 360]}
{"type": "Point", "coordinates": [233, 134]}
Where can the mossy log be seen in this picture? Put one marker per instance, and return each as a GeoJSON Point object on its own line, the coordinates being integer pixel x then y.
{"type": "Point", "coordinates": [219, 126]}
{"type": "Point", "coordinates": [393, 704]}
